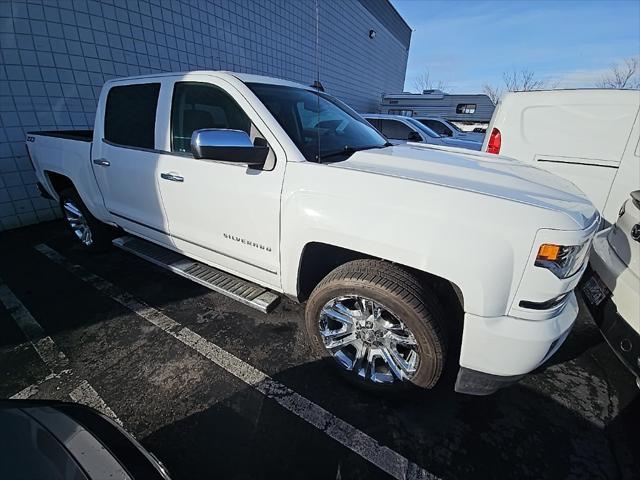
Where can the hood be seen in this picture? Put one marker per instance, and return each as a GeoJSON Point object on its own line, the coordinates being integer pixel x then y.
{"type": "Point", "coordinates": [475, 136]}
{"type": "Point", "coordinates": [469, 143]}
{"type": "Point", "coordinates": [477, 172]}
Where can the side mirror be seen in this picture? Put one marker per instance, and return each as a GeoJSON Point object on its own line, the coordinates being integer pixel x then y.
{"type": "Point", "coordinates": [414, 137]}
{"type": "Point", "coordinates": [228, 146]}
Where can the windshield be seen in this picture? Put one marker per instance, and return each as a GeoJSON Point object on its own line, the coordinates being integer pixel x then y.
{"type": "Point", "coordinates": [320, 125]}
{"type": "Point", "coordinates": [423, 128]}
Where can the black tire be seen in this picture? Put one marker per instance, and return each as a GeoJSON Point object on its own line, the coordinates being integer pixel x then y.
{"type": "Point", "coordinates": [101, 234]}
{"type": "Point", "coordinates": [405, 296]}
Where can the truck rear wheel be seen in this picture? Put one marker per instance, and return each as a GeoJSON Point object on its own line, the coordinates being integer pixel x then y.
{"type": "Point", "coordinates": [383, 328]}
{"type": "Point", "coordinates": [92, 234]}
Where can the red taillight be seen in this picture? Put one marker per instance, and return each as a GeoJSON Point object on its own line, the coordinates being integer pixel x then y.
{"type": "Point", "coordinates": [495, 140]}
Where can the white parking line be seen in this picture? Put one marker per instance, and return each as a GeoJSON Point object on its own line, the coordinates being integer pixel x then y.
{"type": "Point", "coordinates": [25, 393]}
{"type": "Point", "coordinates": [32, 390]}
{"type": "Point", "coordinates": [86, 395]}
{"type": "Point", "coordinates": [52, 357]}
{"type": "Point", "coordinates": [359, 442]}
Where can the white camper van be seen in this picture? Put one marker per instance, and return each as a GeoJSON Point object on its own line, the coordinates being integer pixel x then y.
{"type": "Point", "coordinates": [588, 136]}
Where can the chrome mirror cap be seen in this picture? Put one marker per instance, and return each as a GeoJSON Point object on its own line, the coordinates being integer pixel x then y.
{"type": "Point", "coordinates": [219, 137]}
{"type": "Point", "coordinates": [227, 146]}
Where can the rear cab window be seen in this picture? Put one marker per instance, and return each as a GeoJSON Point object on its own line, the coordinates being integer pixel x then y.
{"type": "Point", "coordinates": [130, 115]}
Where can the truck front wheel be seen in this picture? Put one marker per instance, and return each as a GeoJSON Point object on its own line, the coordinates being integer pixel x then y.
{"type": "Point", "coordinates": [381, 326]}
{"type": "Point", "coordinates": [92, 234]}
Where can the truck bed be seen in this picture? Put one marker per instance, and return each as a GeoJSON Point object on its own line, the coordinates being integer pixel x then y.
{"type": "Point", "coordinates": [66, 153]}
{"type": "Point", "coordinates": [79, 135]}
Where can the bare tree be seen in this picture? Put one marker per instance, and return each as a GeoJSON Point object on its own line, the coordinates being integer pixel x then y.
{"type": "Point", "coordinates": [423, 82]}
{"type": "Point", "coordinates": [625, 74]}
{"type": "Point", "coordinates": [516, 81]}
{"type": "Point", "coordinates": [522, 81]}
{"type": "Point", "coordinates": [494, 93]}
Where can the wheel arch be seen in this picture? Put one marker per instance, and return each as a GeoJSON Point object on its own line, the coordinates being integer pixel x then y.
{"type": "Point", "coordinates": [58, 182]}
{"type": "Point", "coordinates": [318, 259]}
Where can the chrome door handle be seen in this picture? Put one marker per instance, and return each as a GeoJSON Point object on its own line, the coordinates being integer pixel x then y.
{"type": "Point", "coordinates": [172, 176]}
{"type": "Point", "coordinates": [102, 162]}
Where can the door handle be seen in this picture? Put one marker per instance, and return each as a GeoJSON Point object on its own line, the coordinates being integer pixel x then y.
{"type": "Point", "coordinates": [102, 162]}
{"type": "Point", "coordinates": [172, 176]}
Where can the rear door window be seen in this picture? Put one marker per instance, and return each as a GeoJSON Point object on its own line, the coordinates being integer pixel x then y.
{"type": "Point", "coordinates": [394, 129]}
{"type": "Point", "coordinates": [438, 127]}
{"type": "Point", "coordinates": [130, 115]}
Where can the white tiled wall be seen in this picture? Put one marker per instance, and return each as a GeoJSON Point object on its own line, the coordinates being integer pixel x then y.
{"type": "Point", "coordinates": [56, 54]}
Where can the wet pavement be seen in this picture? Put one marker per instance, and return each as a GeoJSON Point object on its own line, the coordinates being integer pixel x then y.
{"type": "Point", "coordinates": [574, 418]}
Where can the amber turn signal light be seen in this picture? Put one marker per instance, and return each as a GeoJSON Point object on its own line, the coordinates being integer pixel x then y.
{"type": "Point", "coordinates": [549, 252]}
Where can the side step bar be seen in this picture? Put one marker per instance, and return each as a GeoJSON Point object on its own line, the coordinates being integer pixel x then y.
{"type": "Point", "coordinates": [241, 290]}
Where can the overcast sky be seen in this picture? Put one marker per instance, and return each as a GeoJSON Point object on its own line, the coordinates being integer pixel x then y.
{"type": "Point", "coordinates": [466, 43]}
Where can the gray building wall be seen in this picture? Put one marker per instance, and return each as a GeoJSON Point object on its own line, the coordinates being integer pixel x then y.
{"type": "Point", "coordinates": [55, 56]}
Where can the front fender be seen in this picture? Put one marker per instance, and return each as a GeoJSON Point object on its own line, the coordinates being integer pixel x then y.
{"type": "Point", "coordinates": [479, 243]}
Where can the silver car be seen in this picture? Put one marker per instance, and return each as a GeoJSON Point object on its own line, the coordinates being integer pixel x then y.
{"type": "Point", "coordinates": [448, 129]}
{"type": "Point", "coordinates": [400, 129]}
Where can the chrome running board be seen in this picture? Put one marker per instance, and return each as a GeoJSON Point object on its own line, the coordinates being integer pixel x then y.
{"type": "Point", "coordinates": [224, 283]}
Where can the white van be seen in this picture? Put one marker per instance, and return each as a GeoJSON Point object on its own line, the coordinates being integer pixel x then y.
{"type": "Point", "coordinates": [588, 136]}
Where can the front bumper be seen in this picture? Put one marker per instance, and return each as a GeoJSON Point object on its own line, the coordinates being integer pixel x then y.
{"type": "Point", "coordinates": [509, 347]}
{"type": "Point", "coordinates": [622, 339]}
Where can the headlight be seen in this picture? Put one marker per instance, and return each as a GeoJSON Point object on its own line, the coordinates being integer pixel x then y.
{"type": "Point", "coordinates": [562, 260]}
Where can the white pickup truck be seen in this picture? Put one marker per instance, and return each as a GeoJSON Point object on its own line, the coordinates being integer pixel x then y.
{"type": "Point", "coordinates": [257, 187]}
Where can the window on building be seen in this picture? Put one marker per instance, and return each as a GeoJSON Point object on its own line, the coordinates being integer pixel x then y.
{"type": "Point", "coordinates": [393, 102]}
{"type": "Point", "coordinates": [466, 108]}
{"type": "Point", "coordinates": [404, 113]}
{"type": "Point", "coordinates": [394, 129]}
{"type": "Point", "coordinates": [130, 115]}
{"type": "Point", "coordinates": [438, 127]}
{"type": "Point", "coordinates": [200, 105]}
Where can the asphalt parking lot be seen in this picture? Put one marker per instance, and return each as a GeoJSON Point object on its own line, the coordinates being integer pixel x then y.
{"type": "Point", "coordinates": [216, 389]}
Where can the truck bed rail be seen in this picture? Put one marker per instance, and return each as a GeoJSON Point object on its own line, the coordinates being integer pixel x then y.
{"type": "Point", "coordinates": [79, 135]}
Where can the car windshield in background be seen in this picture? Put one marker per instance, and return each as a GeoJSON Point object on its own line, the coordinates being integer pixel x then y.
{"type": "Point", "coordinates": [423, 128]}
{"type": "Point", "coordinates": [321, 126]}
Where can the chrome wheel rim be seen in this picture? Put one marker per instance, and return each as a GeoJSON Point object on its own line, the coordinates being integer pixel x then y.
{"type": "Point", "coordinates": [78, 222]}
{"type": "Point", "coordinates": [368, 339]}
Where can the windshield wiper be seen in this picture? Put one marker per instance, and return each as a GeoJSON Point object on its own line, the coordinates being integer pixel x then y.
{"type": "Point", "coordinates": [347, 150]}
